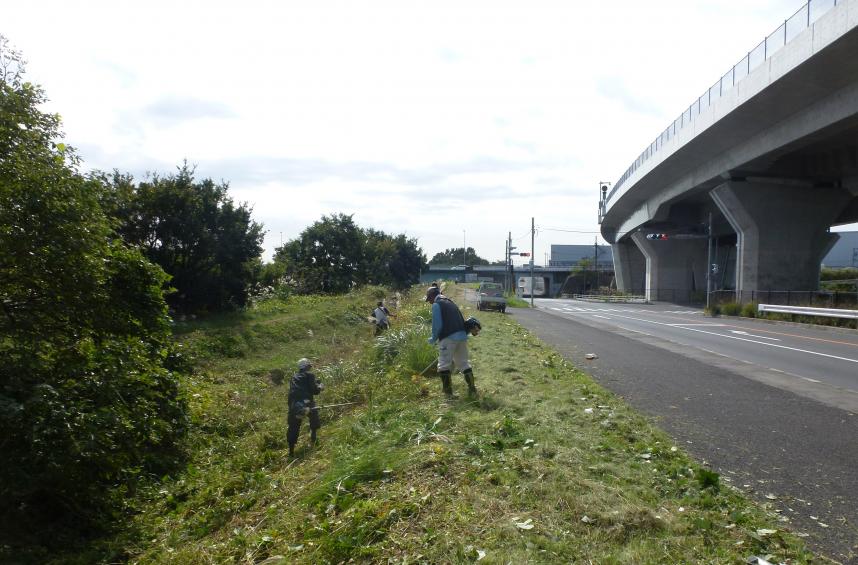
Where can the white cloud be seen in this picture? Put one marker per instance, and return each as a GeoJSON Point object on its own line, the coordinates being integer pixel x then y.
{"type": "Point", "coordinates": [424, 118]}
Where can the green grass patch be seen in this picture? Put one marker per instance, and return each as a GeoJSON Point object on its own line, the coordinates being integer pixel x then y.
{"type": "Point", "coordinates": [544, 466]}
{"type": "Point", "coordinates": [514, 301]}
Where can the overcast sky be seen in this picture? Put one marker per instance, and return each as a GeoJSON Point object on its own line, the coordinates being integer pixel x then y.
{"type": "Point", "coordinates": [424, 118]}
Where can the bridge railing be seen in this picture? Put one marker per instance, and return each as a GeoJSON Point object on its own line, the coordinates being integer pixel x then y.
{"type": "Point", "coordinates": [803, 18]}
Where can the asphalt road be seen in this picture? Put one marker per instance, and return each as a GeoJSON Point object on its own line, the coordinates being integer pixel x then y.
{"type": "Point", "coordinates": [771, 407]}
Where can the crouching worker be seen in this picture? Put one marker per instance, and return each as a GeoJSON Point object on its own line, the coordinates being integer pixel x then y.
{"type": "Point", "coordinates": [302, 389]}
{"type": "Point", "coordinates": [382, 318]}
{"type": "Point", "coordinates": [450, 332]}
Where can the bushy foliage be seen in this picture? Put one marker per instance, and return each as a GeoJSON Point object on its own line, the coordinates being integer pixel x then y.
{"type": "Point", "coordinates": [831, 274]}
{"type": "Point", "coordinates": [749, 310]}
{"type": "Point", "coordinates": [392, 261]}
{"type": "Point", "coordinates": [87, 398]}
{"type": "Point", "coordinates": [731, 309]}
{"type": "Point", "coordinates": [191, 228]}
{"type": "Point", "coordinates": [456, 256]}
{"type": "Point", "coordinates": [334, 255]}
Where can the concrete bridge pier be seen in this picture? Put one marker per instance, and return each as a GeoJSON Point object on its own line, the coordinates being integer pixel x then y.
{"type": "Point", "coordinates": [675, 268]}
{"type": "Point", "coordinates": [629, 267]}
{"type": "Point", "coordinates": [782, 232]}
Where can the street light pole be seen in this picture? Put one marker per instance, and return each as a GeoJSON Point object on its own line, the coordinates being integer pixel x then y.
{"type": "Point", "coordinates": [464, 250]}
{"type": "Point", "coordinates": [603, 197]}
{"type": "Point", "coordinates": [596, 260]}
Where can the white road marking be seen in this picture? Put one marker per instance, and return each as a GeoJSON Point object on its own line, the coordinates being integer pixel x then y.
{"type": "Point", "coordinates": [748, 340]}
{"type": "Point", "coordinates": [704, 325]}
{"type": "Point", "coordinates": [603, 317]}
{"type": "Point", "coordinates": [738, 338]}
{"type": "Point", "coordinates": [751, 335]}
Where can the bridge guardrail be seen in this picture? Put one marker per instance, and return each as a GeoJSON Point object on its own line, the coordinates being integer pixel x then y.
{"type": "Point", "coordinates": [808, 311]}
{"type": "Point", "coordinates": [802, 19]}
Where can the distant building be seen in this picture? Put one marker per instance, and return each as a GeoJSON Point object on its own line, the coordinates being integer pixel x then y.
{"type": "Point", "coordinates": [844, 253]}
{"type": "Point", "coordinates": [571, 255]}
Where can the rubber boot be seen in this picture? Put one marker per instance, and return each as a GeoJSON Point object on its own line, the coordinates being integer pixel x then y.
{"type": "Point", "coordinates": [446, 383]}
{"type": "Point", "coordinates": [469, 378]}
{"type": "Point", "coordinates": [313, 440]}
{"type": "Point", "coordinates": [291, 450]}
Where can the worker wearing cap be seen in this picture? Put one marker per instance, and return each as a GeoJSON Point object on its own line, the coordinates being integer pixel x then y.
{"type": "Point", "coordinates": [302, 388]}
{"type": "Point", "coordinates": [451, 335]}
{"type": "Point", "coordinates": [382, 317]}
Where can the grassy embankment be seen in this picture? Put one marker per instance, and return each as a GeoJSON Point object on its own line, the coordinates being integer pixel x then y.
{"type": "Point", "coordinates": [545, 467]}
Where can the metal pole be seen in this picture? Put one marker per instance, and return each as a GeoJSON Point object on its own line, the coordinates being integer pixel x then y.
{"type": "Point", "coordinates": [596, 261]}
{"type": "Point", "coordinates": [509, 272]}
{"type": "Point", "coordinates": [464, 250]}
{"type": "Point", "coordinates": [532, 238]}
{"type": "Point", "coordinates": [709, 261]}
{"type": "Point", "coordinates": [505, 261]}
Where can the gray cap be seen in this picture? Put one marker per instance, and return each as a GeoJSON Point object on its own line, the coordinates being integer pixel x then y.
{"type": "Point", "coordinates": [304, 363]}
{"type": "Point", "coordinates": [432, 293]}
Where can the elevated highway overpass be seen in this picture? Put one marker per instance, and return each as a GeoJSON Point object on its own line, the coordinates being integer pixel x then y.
{"type": "Point", "coordinates": [766, 161]}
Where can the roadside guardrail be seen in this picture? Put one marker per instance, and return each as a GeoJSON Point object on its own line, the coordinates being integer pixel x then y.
{"type": "Point", "coordinates": [628, 298]}
{"type": "Point", "coordinates": [808, 311]}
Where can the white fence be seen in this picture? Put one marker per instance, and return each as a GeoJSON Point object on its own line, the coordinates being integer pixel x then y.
{"type": "Point", "coordinates": [807, 311]}
{"type": "Point", "coordinates": [610, 298]}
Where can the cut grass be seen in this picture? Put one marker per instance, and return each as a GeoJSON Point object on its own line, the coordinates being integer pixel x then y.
{"type": "Point", "coordinates": [545, 466]}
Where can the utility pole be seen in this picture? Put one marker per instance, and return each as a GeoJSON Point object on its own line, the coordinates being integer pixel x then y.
{"type": "Point", "coordinates": [464, 250]}
{"type": "Point", "coordinates": [510, 273]}
{"type": "Point", "coordinates": [505, 261]}
{"type": "Point", "coordinates": [532, 238]}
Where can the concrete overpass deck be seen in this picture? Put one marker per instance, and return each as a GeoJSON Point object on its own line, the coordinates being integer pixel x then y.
{"type": "Point", "coordinates": [770, 152]}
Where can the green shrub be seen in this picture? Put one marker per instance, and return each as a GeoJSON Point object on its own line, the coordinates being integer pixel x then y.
{"type": "Point", "coordinates": [749, 310]}
{"type": "Point", "coordinates": [88, 404]}
{"type": "Point", "coordinates": [731, 309]}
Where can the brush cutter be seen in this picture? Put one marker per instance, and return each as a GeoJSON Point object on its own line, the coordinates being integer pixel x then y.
{"type": "Point", "coordinates": [332, 405]}
{"type": "Point", "coordinates": [429, 366]}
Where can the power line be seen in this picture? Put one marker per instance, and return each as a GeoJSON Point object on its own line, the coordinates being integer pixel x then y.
{"type": "Point", "coordinates": [522, 235]}
{"type": "Point", "coordinates": [570, 231]}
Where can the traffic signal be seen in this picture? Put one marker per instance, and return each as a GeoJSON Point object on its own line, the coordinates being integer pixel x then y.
{"type": "Point", "coordinates": [656, 236]}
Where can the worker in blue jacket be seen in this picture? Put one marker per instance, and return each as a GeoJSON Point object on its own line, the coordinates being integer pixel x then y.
{"type": "Point", "coordinates": [450, 331]}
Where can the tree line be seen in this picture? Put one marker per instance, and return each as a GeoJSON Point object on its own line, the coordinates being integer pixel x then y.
{"type": "Point", "coordinates": [334, 255]}
{"type": "Point", "coordinates": [91, 266]}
